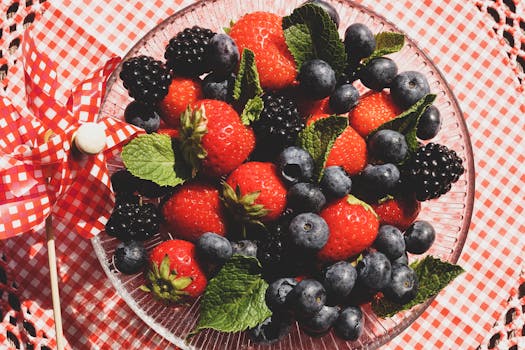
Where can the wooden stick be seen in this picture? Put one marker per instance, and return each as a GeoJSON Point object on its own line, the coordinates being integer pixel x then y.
{"type": "Point", "coordinates": [51, 254]}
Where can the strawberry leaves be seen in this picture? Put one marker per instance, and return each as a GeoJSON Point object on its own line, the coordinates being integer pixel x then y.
{"type": "Point", "coordinates": [433, 275]}
{"type": "Point", "coordinates": [310, 33]}
{"type": "Point", "coordinates": [318, 139]}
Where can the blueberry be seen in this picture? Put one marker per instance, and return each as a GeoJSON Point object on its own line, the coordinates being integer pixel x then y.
{"type": "Point", "coordinates": [359, 41]}
{"type": "Point", "coordinates": [321, 322]}
{"type": "Point", "coordinates": [403, 259]}
{"type": "Point", "coordinates": [429, 123]}
{"type": "Point", "coordinates": [390, 241]}
{"type": "Point", "coordinates": [350, 323]}
{"type": "Point", "coordinates": [223, 54]}
{"type": "Point", "coordinates": [316, 79]}
{"type": "Point", "coordinates": [335, 182]}
{"type": "Point", "coordinates": [380, 179]}
{"type": "Point", "coordinates": [378, 73]}
{"type": "Point", "coordinates": [245, 247]}
{"type": "Point", "coordinates": [344, 98]}
{"type": "Point", "coordinates": [295, 164]}
{"type": "Point", "coordinates": [277, 293]}
{"type": "Point", "coordinates": [305, 197]}
{"type": "Point", "coordinates": [404, 284]}
{"type": "Point", "coordinates": [409, 87]}
{"type": "Point", "coordinates": [123, 182]}
{"type": "Point", "coordinates": [374, 271]}
{"type": "Point", "coordinates": [307, 298]}
{"type": "Point", "coordinates": [143, 116]}
{"type": "Point", "coordinates": [388, 146]}
{"type": "Point", "coordinates": [419, 237]}
{"type": "Point", "coordinates": [130, 257]}
{"type": "Point", "coordinates": [218, 88]}
{"type": "Point", "coordinates": [214, 248]}
{"type": "Point", "coordinates": [332, 12]}
{"type": "Point", "coordinates": [308, 232]}
{"type": "Point", "coordinates": [272, 329]}
{"type": "Point", "coordinates": [339, 280]}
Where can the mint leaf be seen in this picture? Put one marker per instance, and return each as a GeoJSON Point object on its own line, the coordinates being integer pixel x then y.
{"type": "Point", "coordinates": [252, 110]}
{"type": "Point", "coordinates": [247, 84]}
{"type": "Point", "coordinates": [406, 122]}
{"type": "Point", "coordinates": [387, 43]}
{"type": "Point", "coordinates": [234, 299]}
{"type": "Point", "coordinates": [314, 36]}
{"type": "Point", "coordinates": [318, 139]}
{"type": "Point", "coordinates": [151, 157]}
{"type": "Point", "coordinates": [299, 41]}
{"type": "Point", "coordinates": [433, 275]}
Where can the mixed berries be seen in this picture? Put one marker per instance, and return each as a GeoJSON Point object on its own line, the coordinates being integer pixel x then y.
{"type": "Point", "coordinates": [325, 228]}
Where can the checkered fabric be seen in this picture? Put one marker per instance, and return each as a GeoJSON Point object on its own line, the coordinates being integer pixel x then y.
{"type": "Point", "coordinates": [456, 36]}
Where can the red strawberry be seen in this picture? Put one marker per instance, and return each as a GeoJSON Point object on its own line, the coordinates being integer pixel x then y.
{"type": "Point", "coordinates": [399, 212]}
{"type": "Point", "coordinates": [353, 228]}
{"type": "Point", "coordinates": [175, 274]}
{"type": "Point", "coordinates": [309, 107]}
{"type": "Point", "coordinates": [182, 93]}
{"type": "Point", "coordinates": [348, 151]}
{"type": "Point", "coordinates": [261, 194]}
{"type": "Point", "coordinates": [173, 133]}
{"type": "Point", "coordinates": [262, 33]}
{"type": "Point", "coordinates": [374, 109]}
{"type": "Point", "coordinates": [193, 209]}
{"type": "Point", "coordinates": [214, 138]}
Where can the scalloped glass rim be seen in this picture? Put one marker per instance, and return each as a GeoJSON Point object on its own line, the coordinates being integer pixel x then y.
{"type": "Point", "coordinates": [122, 284]}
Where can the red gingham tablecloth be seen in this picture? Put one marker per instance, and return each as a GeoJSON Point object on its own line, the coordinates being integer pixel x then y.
{"type": "Point", "coordinates": [457, 37]}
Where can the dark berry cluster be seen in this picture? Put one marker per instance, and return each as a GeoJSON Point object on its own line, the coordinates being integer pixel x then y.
{"type": "Point", "coordinates": [146, 79]}
{"type": "Point", "coordinates": [133, 221]}
{"type": "Point", "coordinates": [187, 52]}
{"type": "Point", "coordinates": [432, 170]}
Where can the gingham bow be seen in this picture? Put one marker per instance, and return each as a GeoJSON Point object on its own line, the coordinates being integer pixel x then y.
{"type": "Point", "coordinates": [38, 173]}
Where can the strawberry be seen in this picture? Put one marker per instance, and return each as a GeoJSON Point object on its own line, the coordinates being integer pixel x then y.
{"type": "Point", "coordinates": [308, 107]}
{"type": "Point", "coordinates": [173, 133]}
{"type": "Point", "coordinates": [182, 93]}
{"type": "Point", "coordinates": [374, 109]}
{"type": "Point", "coordinates": [254, 191]}
{"type": "Point", "coordinates": [175, 274]}
{"type": "Point", "coordinates": [348, 151]}
{"type": "Point", "coordinates": [400, 212]}
{"type": "Point", "coordinates": [193, 209]}
{"type": "Point", "coordinates": [214, 139]}
{"type": "Point", "coordinates": [353, 227]}
{"type": "Point", "coordinates": [262, 33]}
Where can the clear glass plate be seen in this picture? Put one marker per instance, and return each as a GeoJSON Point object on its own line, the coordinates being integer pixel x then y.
{"type": "Point", "coordinates": [450, 214]}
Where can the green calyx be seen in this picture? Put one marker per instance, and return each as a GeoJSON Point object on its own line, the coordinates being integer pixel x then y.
{"type": "Point", "coordinates": [194, 125]}
{"type": "Point", "coordinates": [165, 283]}
{"type": "Point", "coordinates": [243, 208]}
{"type": "Point", "coordinates": [352, 200]}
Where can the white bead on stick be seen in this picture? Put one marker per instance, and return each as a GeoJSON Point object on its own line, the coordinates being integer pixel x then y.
{"type": "Point", "coordinates": [89, 139]}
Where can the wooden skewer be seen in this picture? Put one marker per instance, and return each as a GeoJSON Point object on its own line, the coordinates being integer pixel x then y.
{"type": "Point", "coordinates": [51, 254]}
{"type": "Point", "coordinates": [89, 139]}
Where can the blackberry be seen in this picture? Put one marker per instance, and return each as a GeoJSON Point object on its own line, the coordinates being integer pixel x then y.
{"type": "Point", "coordinates": [432, 170]}
{"type": "Point", "coordinates": [278, 124]}
{"type": "Point", "coordinates": [133, 221]}
{"type": "Point", "coordinates": [187, 52]}
{"type": "Point", "coordinates": [146, 79]}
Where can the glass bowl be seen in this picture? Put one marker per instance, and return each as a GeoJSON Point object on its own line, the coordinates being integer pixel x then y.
{"type": "Point", "coordinates": [450, 214]}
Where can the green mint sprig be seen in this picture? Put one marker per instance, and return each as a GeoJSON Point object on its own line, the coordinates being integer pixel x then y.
{"type": "Point", "coordinates": [318, 139]}
{"type": "Point", "coordinates": [153, 157]}
{"type": "Point", "coordinates": [406, 123]}
{"type": "Point", "coordinates": [252, 110]}
{"type": "Point", "coordinates": [433, 275]}
{"type": "Point", "coordinates": [234, 299]}
{"type": "Point", "coordinates": [310, 33]}
{"type": "Point", "coordinates": [247, 84]}
{"type": "Point", "coordinates": [386, 43]}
